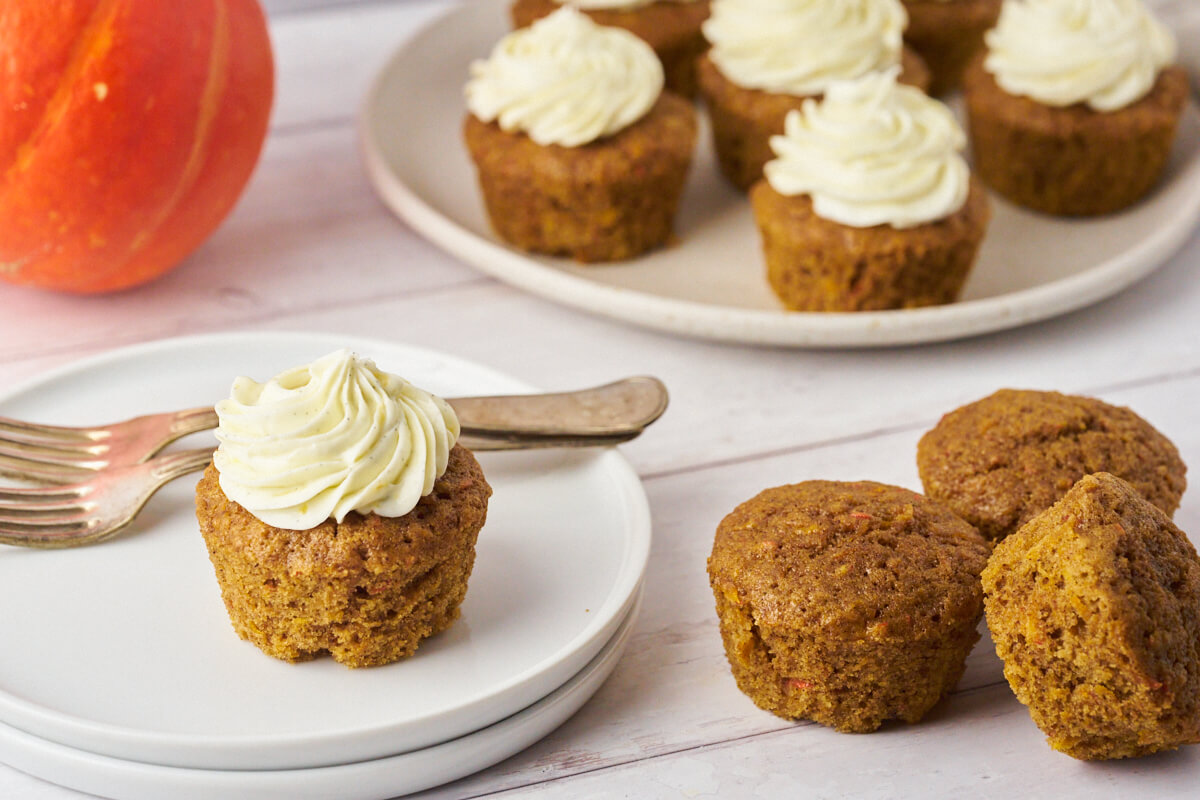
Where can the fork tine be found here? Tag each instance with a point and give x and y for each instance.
(54, 535)
(52, 517)
(44, 511)
(32, 431)
(45, 472)
(25, 505)
(82, 453)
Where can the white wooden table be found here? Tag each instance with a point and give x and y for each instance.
(310, 248)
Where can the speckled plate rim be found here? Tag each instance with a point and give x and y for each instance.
(448, 42)
(476, 707)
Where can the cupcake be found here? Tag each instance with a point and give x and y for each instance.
(1074, 106)
(947, 34)
(670, 27)
(846, 603)
(339, 513)
(1094, 606)
(869, 204)
(578, 149)
(1001, 460)
(767, 56)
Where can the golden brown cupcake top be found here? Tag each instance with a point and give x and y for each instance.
(999, 461)
(859, 560)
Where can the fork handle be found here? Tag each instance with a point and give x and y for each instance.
(616, 409)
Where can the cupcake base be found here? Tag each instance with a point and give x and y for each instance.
(366, 591)
(947, 35)
(744, 120)
(1071, 161)
(608, 200)
(814, 264)
(671, 29)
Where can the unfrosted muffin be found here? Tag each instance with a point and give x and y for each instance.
(590, 159)
(947, 34)
(339, 515)
(1074, 106)
(670, 27)
(999, 461)
(869, 204)
(1094, 606)
(846, 603)
(768, 56)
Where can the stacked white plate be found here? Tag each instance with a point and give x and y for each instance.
(122, 676)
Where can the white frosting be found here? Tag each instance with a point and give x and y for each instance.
(618, 4)
(339, 435)
(1106, 53)
(799, 47)
(873, 152)
(566, 80)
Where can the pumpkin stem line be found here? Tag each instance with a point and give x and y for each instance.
(210, 99)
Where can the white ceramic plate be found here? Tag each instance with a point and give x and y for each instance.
(125, 650)
(712, 284)
(365, 780)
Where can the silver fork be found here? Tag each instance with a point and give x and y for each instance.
(610, 414)
(86, 513)
(96, 509)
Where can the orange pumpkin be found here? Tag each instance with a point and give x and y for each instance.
(128, 129)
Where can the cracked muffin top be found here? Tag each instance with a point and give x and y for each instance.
(999, 461)
(852, 559)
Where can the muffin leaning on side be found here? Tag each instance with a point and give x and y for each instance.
(1001, 460)
(579, 152)
(767, 57)
(846, 603)
(1094, 606)
(1074, 114)
(339, 514)
(947, 34)
(670, 27)
(869, 204)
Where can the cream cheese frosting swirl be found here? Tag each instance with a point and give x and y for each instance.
(338, 435)
(873, 152)
(799, 47)
(566, 80)
(1106, 53)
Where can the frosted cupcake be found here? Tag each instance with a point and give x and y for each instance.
(947, 34)
(1074, 106)
(670, 27)
(339, 513)
(578, 149)
(869, 203)
(768, 56)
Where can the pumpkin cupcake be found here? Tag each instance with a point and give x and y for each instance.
(768, 56)
(1094, 606)
(869, 204)
(670, 27)
(947, 34)
(1074, 106)
(846, 603)
(339, 513)
(578, 149)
